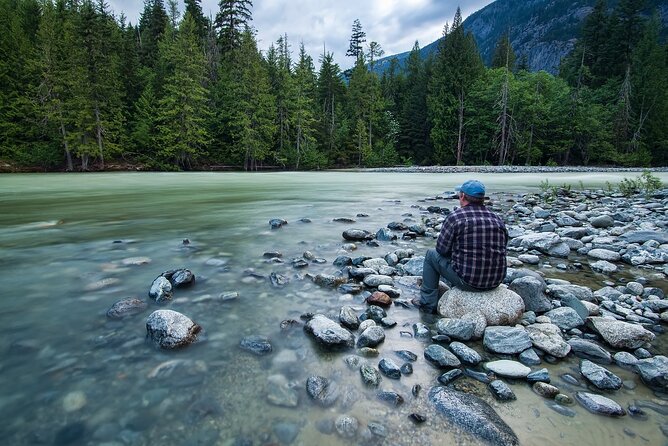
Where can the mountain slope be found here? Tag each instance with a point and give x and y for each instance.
(542, 30)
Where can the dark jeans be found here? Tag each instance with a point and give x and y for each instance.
(436, 266)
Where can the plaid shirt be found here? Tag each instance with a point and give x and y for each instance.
(475, 239)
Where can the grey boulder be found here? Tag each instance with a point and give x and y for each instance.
(329, 333)
(169, 329)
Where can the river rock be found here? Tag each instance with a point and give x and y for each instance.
(644, 255)
(390, 397)
(501, 391)
(169, 329)
(625, 360)
(161, 290)
(371, 337)
(618, 334)
(370, 375)
(602, 221)
(413, 267)
(508, 369)
(348, 317)
(654, 372)
(532, 292)
(585, 349)
(604, 254)
(541, 241)
(600, 376)
(258, 345)
(329, 333)
(499, 306)
(322, 390)
(529, 357)
(565, 318)
(379, 298)
(604, 267)
(643, 236)
(545, 390)
(464, 353)
(280, 392)
(276, 223)
(346, 426)
(473, 415)
(547, 337)
(506, 340)
(542, 375)
(599, 404)
(440, 357)
(389, 368)
(180, 278)
(461, 330)
(449, 376)
(357, 235)
(374, 280)
(126, 307)
(74, 401)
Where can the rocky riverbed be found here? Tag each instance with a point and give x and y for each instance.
(349, 360)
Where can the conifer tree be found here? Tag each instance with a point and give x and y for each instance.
(194, 8)
(330, 99)
(231, 20)
(357, 39)
(504, 56)
(414, 140)
(152, 25)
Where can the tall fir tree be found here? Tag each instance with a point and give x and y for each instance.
(504, 56)
(231, 20)
(357, 39)
(330, 97)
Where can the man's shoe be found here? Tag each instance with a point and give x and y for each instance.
(418, 303)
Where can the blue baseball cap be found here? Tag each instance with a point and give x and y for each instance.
(472, 188)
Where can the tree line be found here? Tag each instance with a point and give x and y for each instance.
(82, 89)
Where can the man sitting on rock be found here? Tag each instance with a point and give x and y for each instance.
(470, 252)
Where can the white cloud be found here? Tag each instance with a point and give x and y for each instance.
(395, 24)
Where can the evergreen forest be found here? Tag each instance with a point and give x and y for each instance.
(81, 88)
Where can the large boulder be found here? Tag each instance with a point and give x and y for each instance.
(565, 318)
(532, 292)
(620, 334)
(328, 333)
(506, 340)
(169, 329)
(473, 415)
(654, 372)
(499, 306)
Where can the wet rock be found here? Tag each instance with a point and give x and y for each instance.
(169, 329)
(542, 375)
(599, 404)
(389, 368)
(421, 331)
(529, 357)
(501, 391)
(507, 340)
(258, 345)
(603, 267)
(600, 376)
(370, 376)
(565, 318)
(644, 256)
(532, 292)
(465, 353)
(390, 397)
(329, 333)
(499, 306)
(379, 298)
(161, 290)
(654, 372)
(126, 307)
(461, 330)
(180, 278)
(375, 280)
(377, 429)
(406, 369)
(371, 337)
(508, 368)
(276, 223)
(565, 411)
(643, 236)
(406, 355)
(357, 235)
(625, 360)
(604, 254)
(413, 267)
(545, 390)
(449, 376)
(346, 426)
(473, 415)
(547, 337)
(278, 280)
(602, 221)
(561, 292)
(620, 334)
(322, 390)
(286, 432)
(280, 392)
(440, 357)
(589, 350)
(375, 313)
(348, 317)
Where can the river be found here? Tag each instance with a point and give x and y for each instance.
(73, 244)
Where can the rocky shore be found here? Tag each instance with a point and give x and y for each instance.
(495, 338)
(511, 169)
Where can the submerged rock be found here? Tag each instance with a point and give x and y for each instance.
(322, 390)
(599, 404)
(161, 290)
(329, 333)
(654, 372)
(169, 329)
(126, 307)
(473, 415)
(600, 376)
(258, 345)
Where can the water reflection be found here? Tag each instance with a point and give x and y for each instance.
(71, 246)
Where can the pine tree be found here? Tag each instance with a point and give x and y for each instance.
(414, 140)
(152, 25)
(306, 153)
(181, 130)
(330, 99)
(357, 39)
(504, 56)
(194, 8)
(231, 20)
(374, 53)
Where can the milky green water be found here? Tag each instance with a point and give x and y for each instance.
(68, 248)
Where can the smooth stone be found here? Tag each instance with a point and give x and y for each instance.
(545, 390)
(461, 330)
(529, 357)
(161, 290)
(620, 334)
(506, 340)
(126, 307)
(390, 397)
(329, 333)
(348, 317)
(501, 391)
(589, 350)
(625, 360)
(547, 337)
(258, 345)
(508, 368)
(406, 355)
(542, 375)
(379, 298)
(276, 223)
(74, 401)
(560, 291)
(604, 267)
(412, 267)
(482, 377)
(371, 337)
(604, 254)
(375, 280)
(532, 292)
(180, 278)
(449, 376)
(499, 306)
(346, 426)
(322, 390)
(565, 318)
(406, 369)
(440, 357)
(169, 329)
(599, 376)
(562, 410)
(599, 404)
(389, 368)
(370, 376)
(465, 353)
(654, 372)
(473, 415)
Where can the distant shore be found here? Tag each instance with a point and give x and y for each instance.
(511, 169)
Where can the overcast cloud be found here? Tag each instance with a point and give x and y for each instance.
(394, 24)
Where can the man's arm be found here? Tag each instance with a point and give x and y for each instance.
(446, 238)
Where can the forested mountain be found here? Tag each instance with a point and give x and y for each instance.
(82, 89)
(542, 31)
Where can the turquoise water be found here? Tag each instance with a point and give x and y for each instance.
(72, 245)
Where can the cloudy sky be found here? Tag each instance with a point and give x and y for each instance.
(394, 24)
